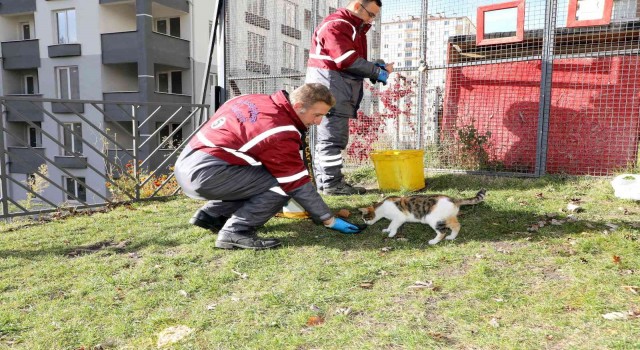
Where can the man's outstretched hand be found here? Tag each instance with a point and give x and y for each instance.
(344, 226)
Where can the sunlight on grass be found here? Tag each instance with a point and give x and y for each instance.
(116, 280)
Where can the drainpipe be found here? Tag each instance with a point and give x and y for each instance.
(192, 59)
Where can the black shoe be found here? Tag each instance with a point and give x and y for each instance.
(343, 189)
(245, 241)
(208, 222)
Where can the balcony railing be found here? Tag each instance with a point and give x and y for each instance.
(25, 110)
(11, 7)
(22, 54)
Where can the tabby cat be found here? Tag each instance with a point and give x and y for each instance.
(436, 210)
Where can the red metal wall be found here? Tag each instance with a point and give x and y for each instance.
(594, 121)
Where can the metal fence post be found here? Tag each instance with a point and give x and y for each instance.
(422, 82)
(3, 165)
(136, 142)
(546, 83)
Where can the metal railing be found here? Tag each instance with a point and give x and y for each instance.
(95, 153)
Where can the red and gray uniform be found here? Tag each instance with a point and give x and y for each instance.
(338, 60)
(246, 161)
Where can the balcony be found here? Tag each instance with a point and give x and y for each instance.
(120, 48)
(25, 110)
(65, 50)
(290, 31)
(115, 113)
(257, 20)
(257, 67)
(163, 49)
(11, 7)
(169, 50)
(174, 4)
(23, 54)
(67, 107)
(24, 160)
(70, 162)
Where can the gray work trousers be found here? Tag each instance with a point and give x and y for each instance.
(332, 138)
(248, 195)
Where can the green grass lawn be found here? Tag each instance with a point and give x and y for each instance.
(116, 280)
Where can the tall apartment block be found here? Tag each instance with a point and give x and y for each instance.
(99, 50)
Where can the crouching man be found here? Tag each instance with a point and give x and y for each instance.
(246, 162)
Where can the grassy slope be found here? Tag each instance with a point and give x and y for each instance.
(117, 279)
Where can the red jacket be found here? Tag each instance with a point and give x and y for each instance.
(257, 130)
(338, 41)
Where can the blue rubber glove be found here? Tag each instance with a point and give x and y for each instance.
(382, 76)
(344, 226)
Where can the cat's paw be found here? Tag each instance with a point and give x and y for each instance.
(451, 237)
(385, 230)
(434, 241)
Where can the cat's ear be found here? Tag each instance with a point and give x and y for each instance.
(364, 210)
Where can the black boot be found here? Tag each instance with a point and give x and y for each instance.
(208, 222)
(245, 240)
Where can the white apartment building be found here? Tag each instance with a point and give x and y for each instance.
(102, 50)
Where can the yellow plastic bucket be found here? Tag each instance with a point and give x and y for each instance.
(399, 169)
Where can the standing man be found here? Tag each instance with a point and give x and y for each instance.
(338, 60)
(246, 161)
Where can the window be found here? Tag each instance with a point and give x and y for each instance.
(256, 7)
(34, 135)
(75, 190)
(589, 12)
(66, 22)
(72, 143)
(500, 18)
(30, 85)
(307, 19)
(407, 63)
(407, 45)
(176, 139)
(446, 23)
(290, 53)
(24, 31)
(169, 26)
(290, 14)
(256, 47)
(407, 54)
(257, 86)
(169, 82)
(306, 56)
(68, 83)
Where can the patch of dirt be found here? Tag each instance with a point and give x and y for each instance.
(118, 247)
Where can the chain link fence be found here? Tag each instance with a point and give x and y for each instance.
(521, 88)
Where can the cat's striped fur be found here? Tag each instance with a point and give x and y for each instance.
(438, 211)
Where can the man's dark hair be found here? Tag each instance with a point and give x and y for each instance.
(378, 2)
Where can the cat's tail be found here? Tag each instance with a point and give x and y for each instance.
(471, 201)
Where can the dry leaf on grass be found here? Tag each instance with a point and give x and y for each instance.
(616, 259)
(366, 284)
(343, 213)
(315, 321)
(172, 335)
(494, 323)
(424, 285)
(633, 289)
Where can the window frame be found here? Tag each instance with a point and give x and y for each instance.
(572, 22)
(288, 21)
(34, 140)
(170, 26)
(21, 30)
(25, 84)
(519, 5)
(170, 82)
(71, 37)
(76, 147)
(71, 79)
(79, 191)
(176, 139)
(256, 47)
(289, 50)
